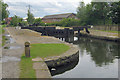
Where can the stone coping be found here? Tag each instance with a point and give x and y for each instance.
(73, 50)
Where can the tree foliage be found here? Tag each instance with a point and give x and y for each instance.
(23, 23)
(38, 22)
(30, 18)
(15, 21)
(115, 12)
(4, 13)
(98, 13)
(67, 22)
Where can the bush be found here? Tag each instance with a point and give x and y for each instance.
(23, 23)
(15, 21)
(65, 23)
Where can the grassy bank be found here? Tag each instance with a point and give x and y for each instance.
(3, 40)
(112, 31)
(39, 50)
(107, 31)
(1, 32)
(26, 67)
(45, 50)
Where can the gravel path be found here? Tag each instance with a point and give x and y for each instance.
(21, 36)
(11, 58)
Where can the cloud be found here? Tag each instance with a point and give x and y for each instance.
(41, 1)
(41, 8)
(51, 10)
(17, 9)
(56, 3)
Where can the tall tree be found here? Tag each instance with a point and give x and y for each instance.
(115, 12)
(100, 11)
(30, 18)
(81, 12)
(3, 10)
(95, 13)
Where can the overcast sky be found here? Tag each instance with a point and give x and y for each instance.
(41, 8)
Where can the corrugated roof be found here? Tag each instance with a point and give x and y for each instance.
(58, 15)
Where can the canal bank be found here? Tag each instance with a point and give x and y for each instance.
(21, 36)
(102, 35)
(98, 59)
(68, 57)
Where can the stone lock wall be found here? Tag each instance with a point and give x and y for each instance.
(62, 61)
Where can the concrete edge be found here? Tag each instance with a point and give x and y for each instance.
(69, 56)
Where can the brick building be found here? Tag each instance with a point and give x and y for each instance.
(7, 20)
(58, 17)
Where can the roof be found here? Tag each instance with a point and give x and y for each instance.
(66, 15)
(9, 18)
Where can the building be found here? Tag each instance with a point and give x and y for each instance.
(7, 20)
(58, 17)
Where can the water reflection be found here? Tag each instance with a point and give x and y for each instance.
(102, 52)
(97, 59)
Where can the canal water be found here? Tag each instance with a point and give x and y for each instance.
(97, 59)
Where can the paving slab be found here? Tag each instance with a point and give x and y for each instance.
(40, 66)
(41, 69)
(37, 59)
(43, 74)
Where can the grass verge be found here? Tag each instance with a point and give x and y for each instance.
(39, 50)
(26, 67)
(112, 31)
(3, 40)
(1, 32)
(1, 29)
(108, 31)
(45, 50)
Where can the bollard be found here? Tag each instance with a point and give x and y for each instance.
(27, 49)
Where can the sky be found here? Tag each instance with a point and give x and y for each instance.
(40, 8)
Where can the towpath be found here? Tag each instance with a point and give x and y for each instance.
(11, 56)
(110, 34)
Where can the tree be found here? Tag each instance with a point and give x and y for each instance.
(95, 13)
(15, 21)
(3, 10)
(23, 23)
(30, 18)
(100, 10)
(81, 13)
(37, 22)
(115, 12)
